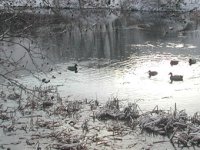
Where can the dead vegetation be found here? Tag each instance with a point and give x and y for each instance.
(42, 119)
(181, 129)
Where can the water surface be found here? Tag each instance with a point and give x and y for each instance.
(114, 51)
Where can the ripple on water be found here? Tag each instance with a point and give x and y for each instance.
(115, 60)
(129, 79)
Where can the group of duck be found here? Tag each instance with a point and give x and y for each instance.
(152, 73)
(173, 77)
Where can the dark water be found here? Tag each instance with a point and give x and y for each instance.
(114, 51)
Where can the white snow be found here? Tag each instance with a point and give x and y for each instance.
(155, 5)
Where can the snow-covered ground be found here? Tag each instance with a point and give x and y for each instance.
(147, 5)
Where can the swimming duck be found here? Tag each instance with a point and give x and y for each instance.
(152, 73)
(173, 62)
(73, 68)
(45, 80)
(192, 61)
(175, 77)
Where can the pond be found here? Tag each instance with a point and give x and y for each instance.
(115, 50)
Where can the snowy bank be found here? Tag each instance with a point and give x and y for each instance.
(153, 5)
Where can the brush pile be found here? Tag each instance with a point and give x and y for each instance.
(188, 133)
(39, 114)
(177, 125)
(162, 122)
(113, 111)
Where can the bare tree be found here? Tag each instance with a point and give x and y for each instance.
(19, 54)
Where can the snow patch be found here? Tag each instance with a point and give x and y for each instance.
(153, 5)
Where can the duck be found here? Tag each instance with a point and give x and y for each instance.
(45, 80)
(152, 73)
(192, 61)
(50, 69)
(73, 68)
(174, 62)
(175, 77)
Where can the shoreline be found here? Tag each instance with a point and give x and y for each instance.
(43, 119)
(112, 8)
